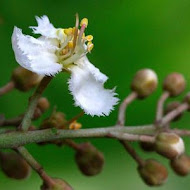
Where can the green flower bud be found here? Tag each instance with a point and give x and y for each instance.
(24, 79)
(89, 160)
(146, 146)
(172, 106)
(56, 120)
(169, 145)
(58, 185)
(153, 173)
(181, 165)
(144, 82)
(14, 166)
(174, 83)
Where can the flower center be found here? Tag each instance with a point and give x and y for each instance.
(74, 43)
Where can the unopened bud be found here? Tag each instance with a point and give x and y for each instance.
(75, 125)
(144, 82)
(89, 160)
(14, 166)
(174, 83)
(58, 184)
(43, 104)
(37, 113)
(56, 120)
(169, 145)
(181, 165)
(24, 79)
(172, 106)
(146, 146)
(153, 173)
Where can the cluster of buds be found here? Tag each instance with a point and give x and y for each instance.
(167, 144)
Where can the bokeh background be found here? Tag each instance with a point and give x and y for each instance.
(128, 35)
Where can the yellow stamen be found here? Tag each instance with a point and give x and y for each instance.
(84, 21)
(68, 31)
(75, 125)
(89, 38)
(90, 46)
(70, 44)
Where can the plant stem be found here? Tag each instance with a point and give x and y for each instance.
(121, 116)
(171, 115)
(132, 152)
(7, 88)
(35, 165)
(12, 122)
(19, 138)
(72, 144)
(26, 122)
(160, 105)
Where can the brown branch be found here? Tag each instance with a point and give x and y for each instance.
(35, 165)
(7, 88)
(132, 152)
(121, 116)
(160, 105)
(12, 122)
(171, 115)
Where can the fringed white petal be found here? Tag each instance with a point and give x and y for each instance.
(45, 28)
(84, 62)
(36, 55)
(86, 86)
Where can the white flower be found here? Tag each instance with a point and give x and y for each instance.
(65, 49)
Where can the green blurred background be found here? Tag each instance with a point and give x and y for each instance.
(128, 35)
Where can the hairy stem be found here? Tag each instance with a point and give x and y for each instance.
(121, 116)
(35, 165)
(7, 88)
(26, 122)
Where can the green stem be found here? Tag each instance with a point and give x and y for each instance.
(19, 138)
(26, 122)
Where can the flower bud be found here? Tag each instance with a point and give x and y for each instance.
(144, 82)
(37, 113)
(43, 104)
(56, 120)
(14, 166)
(174, 83)
(181, 165)
(59, 184)
(169, 145)
(146, 146)
(89, 160)
(153, 173)
(24, 79)
(172, 106)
